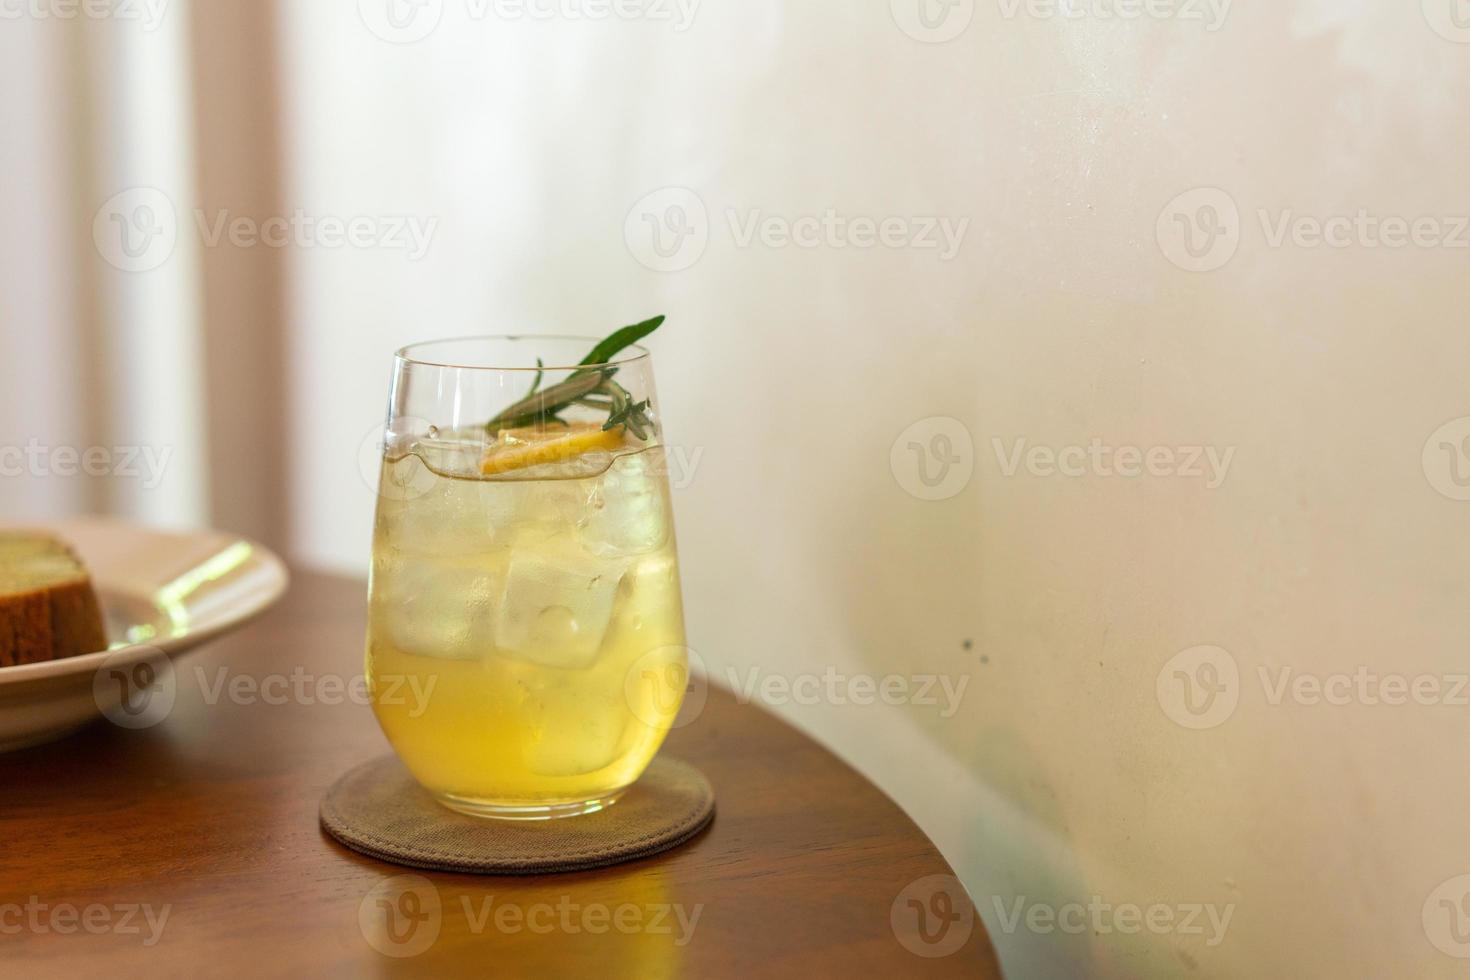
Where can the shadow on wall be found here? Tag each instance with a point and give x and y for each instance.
(909, 598)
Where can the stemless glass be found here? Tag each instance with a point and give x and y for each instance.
(524, 581)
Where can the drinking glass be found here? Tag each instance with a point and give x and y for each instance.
(524, 585)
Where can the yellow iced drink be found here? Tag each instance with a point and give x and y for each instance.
(525, 618)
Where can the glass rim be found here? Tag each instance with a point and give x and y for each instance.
(409, 354)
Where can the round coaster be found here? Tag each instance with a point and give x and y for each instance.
(379, 810)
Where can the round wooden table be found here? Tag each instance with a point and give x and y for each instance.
(192, 848)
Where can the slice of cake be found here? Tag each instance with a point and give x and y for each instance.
(48, 609)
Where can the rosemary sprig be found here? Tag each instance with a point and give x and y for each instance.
(591, 385)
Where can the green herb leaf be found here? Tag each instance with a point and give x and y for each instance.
(532, 409)
(591, 385)
(634, 416)
(621, 339)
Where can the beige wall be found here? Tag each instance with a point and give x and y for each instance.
(1072, 312)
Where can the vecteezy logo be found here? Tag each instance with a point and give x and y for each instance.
(668, 230)
(136, 230)
(1446, 917)
(932, 21)
(1450, 19)
(1199, 231)
(401, 917)
(401, 21)
(1199, 688)
(932, 917)
(135, 687)
(410, 479)
(934, 458)
(1447, 459)
(656, 682)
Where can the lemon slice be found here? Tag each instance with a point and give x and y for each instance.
(517, 449)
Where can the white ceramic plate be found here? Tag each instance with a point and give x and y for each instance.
(162, 594)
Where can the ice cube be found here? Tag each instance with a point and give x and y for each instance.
(434, 608)
(577, 730)
(542, 509)
(628, 513)
(646, 612)
(450, 518)
(556, 606)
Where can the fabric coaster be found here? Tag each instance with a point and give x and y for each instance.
(379, 810)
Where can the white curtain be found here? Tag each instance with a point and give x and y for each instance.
(100, 366)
